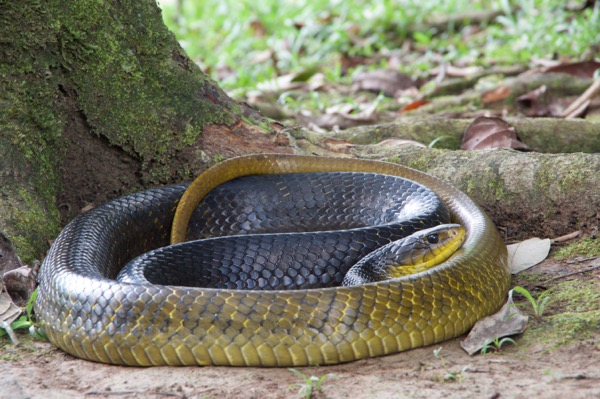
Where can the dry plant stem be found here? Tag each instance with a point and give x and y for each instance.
(581, 101)
(577, 112)
(589, 269)
(566, 237)
(580, 260)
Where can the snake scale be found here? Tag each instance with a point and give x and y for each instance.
(84, 311)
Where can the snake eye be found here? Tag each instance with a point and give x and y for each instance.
(433, 238)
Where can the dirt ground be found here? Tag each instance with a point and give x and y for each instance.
(539, 366)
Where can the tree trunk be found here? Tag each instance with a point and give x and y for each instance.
(98, 98)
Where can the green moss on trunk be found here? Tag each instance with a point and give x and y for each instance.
(119, 69)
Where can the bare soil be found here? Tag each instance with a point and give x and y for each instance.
(537, 367)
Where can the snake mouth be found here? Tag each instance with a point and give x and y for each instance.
(431, 248)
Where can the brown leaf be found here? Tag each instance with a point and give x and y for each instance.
(20, 284)
(258, 28)
(534, 102)
(508, 321)
(352, 61)
(383, 81)
(490, 132)
(584, 69)
(540, 102)
(500, 93)
(414, 105)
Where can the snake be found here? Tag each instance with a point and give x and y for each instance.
(86, 312)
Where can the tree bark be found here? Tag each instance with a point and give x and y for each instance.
(526, 194)
(98, 98)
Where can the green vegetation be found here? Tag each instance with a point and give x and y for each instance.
(538, 306)
(311, 384)
(587, 247)
(25, 321)
(494, 345)
(450, 376)
(573, 317)
(245, 42)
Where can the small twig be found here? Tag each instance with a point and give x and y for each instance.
(566, 237)
(441, 74)
(579, 260)
(134, 392)
(590, 93)
(589, 269)
(579, 110)
(580, 376)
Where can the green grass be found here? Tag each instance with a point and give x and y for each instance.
(311, 385)
(574, 316)
(538, 306)
(237, 35)
(495, 345)
(587, 247)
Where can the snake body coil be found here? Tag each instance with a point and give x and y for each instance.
(85, 312)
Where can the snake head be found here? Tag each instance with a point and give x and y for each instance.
(415, 253)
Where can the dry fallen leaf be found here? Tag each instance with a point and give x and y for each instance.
(8, 310)
(507, 321)
(500, 93)
(383, 81)
(414, 105)
(540, 102)
(534, 102)
(490, 132)
(258, 28)
(20, 284)
(584, 69)
(528, 253)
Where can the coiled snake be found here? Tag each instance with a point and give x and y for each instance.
(85, 312)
